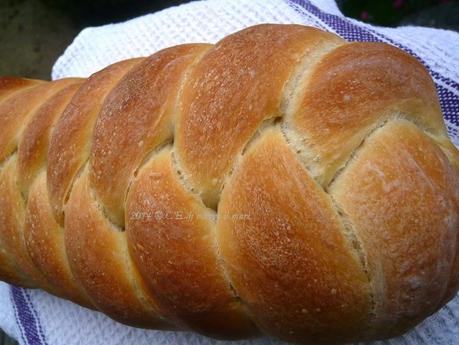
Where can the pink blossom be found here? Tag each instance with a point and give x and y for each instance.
(399, 3)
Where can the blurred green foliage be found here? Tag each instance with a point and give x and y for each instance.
(389, 12)
(99, 12)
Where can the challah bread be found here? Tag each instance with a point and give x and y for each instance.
(282, 181)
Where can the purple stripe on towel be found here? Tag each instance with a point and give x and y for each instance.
(25, 317)
(16, 315)
(341, 26)
(35, 314)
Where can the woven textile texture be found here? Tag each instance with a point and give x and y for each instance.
(35, 317)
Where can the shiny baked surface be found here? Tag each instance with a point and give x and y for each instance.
(282, 181)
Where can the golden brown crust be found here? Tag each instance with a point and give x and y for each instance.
(453, 283)
(42, 231)
(234, 88)
(70, 142)
(99, 259)
(282, 180)
(354, 89)
(12, 214)
(11, 270)
(33, 147)
(138, 116)
(174, 248)
(10, 85)
(401, 196)
(15, 112)
(285, 249)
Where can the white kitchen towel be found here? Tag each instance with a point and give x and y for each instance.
(36, 318)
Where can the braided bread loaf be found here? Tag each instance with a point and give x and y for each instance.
(282, 181)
